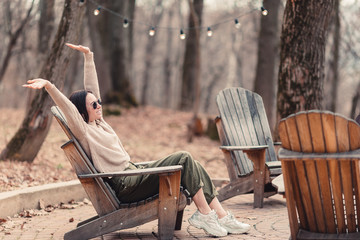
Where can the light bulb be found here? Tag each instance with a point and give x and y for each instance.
(264, 11)
(97, 11)
(152, 31)
(182, 34)
(209, 32)
(126, 23)
(237, 23)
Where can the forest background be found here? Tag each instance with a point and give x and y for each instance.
(228, 57)
(154, 70)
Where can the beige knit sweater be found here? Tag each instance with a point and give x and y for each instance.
(98, 139)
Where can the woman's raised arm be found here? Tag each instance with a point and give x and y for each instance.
(90, 75)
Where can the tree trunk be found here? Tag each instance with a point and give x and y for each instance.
(301, 70)
(149, 50)
(46, 26)
(167, 63)
(265, 84)
(192, 72)
(334, 65)
(191, 67)
(116, 42)
(97, 45)
(27, 141)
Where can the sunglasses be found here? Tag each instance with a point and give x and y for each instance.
(95, 104)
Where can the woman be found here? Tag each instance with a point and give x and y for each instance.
(83, 112)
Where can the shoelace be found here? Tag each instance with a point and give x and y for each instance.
(229, 217)
(214, 219)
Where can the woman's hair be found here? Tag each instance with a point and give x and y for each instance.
(78, 98)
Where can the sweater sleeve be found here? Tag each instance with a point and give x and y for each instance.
(90, 76)
(74, 120)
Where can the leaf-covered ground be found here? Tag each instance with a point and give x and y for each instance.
(147, 133)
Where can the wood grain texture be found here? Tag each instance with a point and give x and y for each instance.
(245, 135)
(320, 162)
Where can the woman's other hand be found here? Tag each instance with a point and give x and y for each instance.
(80, 48)
(37, 83)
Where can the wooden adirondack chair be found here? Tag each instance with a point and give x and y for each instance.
(247, 145)
(168, 206)
(321, 168)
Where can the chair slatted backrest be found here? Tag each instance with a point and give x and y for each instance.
(245, 123)
(322, 176)
(100, 195)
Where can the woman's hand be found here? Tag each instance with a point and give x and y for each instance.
(80, 48)
(37, 83)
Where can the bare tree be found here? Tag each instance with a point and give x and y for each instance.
(149, 50)
(190, 92)
(265, 84)
(46, 26)
(13, 35)
(116, 43)
(28, 140)
(334, 64)
(301, 71)
(192, 66)
(167, 61)
(102, 61)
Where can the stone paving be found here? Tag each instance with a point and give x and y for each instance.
(270, 222)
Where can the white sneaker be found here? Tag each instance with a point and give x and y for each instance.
(232, 225)
(209, 223)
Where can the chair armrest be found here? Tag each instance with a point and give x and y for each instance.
(243, 148)
(277, 143)
(158, 170)
(285, 154)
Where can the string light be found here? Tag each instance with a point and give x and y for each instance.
(97, 11)
(264, 11)
(182, 34)
(126, 23)
(209, 32)
(152, 31)
(237, 23)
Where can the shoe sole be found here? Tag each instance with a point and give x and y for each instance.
(199, 227)
(241, 232)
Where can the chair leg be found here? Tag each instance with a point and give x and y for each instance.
(169, 191)
(258, 158)
(179, 219)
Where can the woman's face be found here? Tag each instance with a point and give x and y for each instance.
(92, 101)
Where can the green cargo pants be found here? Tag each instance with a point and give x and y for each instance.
(137, 188)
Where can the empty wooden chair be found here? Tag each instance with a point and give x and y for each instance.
(167, 207)
(247, 144)
(320, 161)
